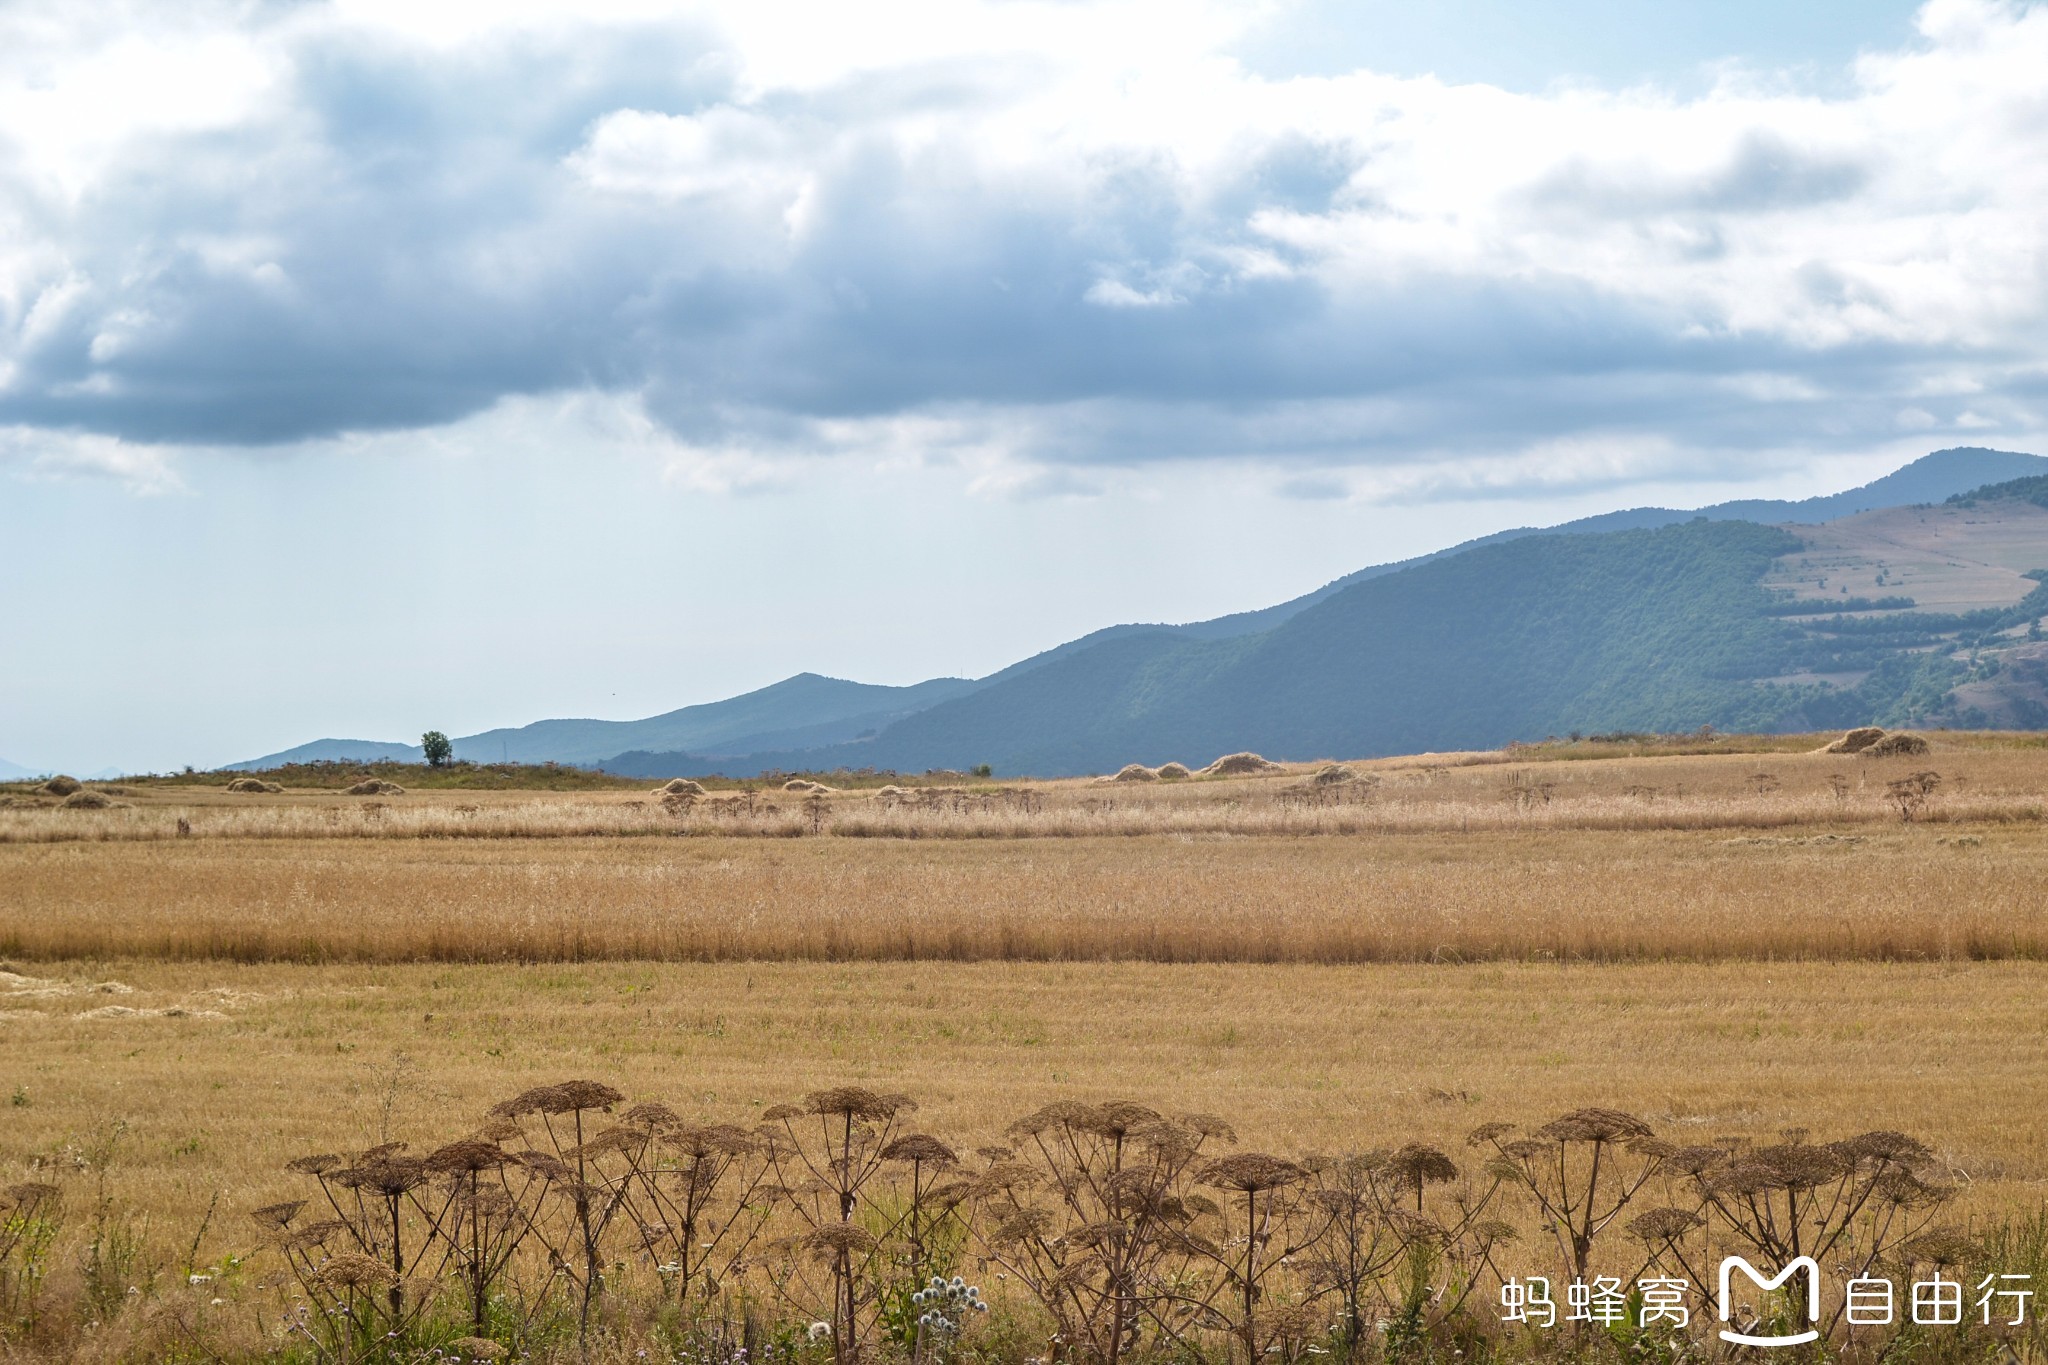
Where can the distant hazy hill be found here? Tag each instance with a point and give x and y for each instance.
(338, 751)
(14, 772)
(1931, 478)
(1663, 629)
(1644, 618)
(1636, 629)
(800, 712)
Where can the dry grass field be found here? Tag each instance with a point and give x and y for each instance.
(1779, 855)
(1729, 945)
(264, 1063)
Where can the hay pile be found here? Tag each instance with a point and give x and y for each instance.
(1239, 765)
(799, 784)
(255, 786)
(60, 785)
(1855, 742)
(376, 786)
(679, 786)
(891, 793)
(1897, 744)
(1330, 774)
(1173, 772)
(1135, 772)
(87, 799)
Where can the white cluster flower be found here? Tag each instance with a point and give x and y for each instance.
(819, 1331)
(945, 1303)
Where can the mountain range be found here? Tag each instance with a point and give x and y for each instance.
(1913, 598)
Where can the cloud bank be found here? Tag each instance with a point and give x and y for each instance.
(1033, 238)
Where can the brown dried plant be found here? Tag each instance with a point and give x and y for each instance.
(699, 1201)
(582, 1177)
(1581, 1169)
(1848, 1204)
(1262, 1206)
(823, 1155)
(1090, 1214)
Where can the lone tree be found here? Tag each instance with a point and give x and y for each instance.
(439, 750)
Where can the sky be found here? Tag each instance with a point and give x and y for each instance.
(369, 366)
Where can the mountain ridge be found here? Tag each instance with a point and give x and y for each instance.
(809, 720)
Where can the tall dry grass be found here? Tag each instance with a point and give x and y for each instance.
(1877, 892)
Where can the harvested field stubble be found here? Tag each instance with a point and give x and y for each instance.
(1893, 892)
(1299, 1058)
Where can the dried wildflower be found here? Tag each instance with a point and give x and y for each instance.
(314, 1165)
(544, 1165)
(467, 1155)
(1594, 1125)
(1800, 1167)
(1417, 1165)
(277, 1215)
(353, 1270)
(387, 1174)
(652, 1116)
(1886, 1146)
(1250, 1172)
(1058, 1114)
(316, 1234)
(856, 1102)
(1941, 1247)
(1488, 1132)
(1492, 1230)
(1209, 1126)
(1664, 1225)
(568, 1097)
(1906, 1190)
(617, 1139)
(840, 1238)
(1694, 1160)
(30, 1196)
(1122, 1119)
(921, 1148)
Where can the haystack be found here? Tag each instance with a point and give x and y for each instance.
(1240, 765)
(890, 793)
(1330, 774)
(1856, 741)
(60, 785)
(679, 786)
(87, 799)
(255, 786)
(1897, 744)
(1173, 772)
(376, 786)
(800, 784)
(1135, 772)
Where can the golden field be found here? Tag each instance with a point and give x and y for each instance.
(1727, 944)
(1779, 855)
(265, 1063)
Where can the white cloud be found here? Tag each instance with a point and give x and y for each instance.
(1032, 234)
